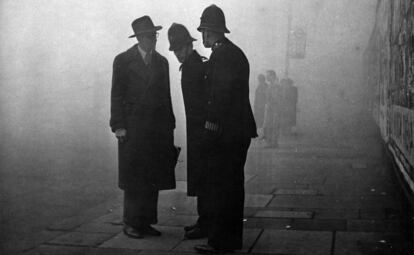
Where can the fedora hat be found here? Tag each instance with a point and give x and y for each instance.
(143, 25)
(178, 36)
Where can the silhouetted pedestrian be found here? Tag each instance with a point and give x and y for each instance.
(228, 131)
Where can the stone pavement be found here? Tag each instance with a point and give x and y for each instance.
(306, 197)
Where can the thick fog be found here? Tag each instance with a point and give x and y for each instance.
(56, 66)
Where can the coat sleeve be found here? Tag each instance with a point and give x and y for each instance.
(119, 80)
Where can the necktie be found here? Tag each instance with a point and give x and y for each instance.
(147, 59)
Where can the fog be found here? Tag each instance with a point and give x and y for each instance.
(56, 67)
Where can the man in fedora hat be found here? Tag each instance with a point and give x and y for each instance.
(229, 128)
(143, 121)
(195, 95)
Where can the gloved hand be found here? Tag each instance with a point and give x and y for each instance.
(211, 134)
(121, 134)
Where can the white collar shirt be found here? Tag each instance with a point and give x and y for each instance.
(143, 53)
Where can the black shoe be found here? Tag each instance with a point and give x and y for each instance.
(195, 233)
(190, 227)
(150, 231)
(133, 232)
(207, 249)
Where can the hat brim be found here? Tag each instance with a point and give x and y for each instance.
(176, 47)
(156, 28)
(224, 30)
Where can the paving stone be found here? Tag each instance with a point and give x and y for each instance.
(181, 186)
(368, 214)
(290, 186)
(278, 178)
(283, 214)
(266, 223)
(250, 211)
(99, 227)
(313, 179)
(168, 253)
(378, 202)
(58, 249)
(178, 220)
(319, 225)
(359, 165)
(68, 223)
(81, 239)
(310, 192)
(188, 245)
(113, 217)
(178, 202)
(74, 250)
(289, 201)
(374, 225)
(111, 251)
(294, 242)
(259, 188)
(89, 215)
(248, 177)
(170, 237)
(16, 246)
(357, 243)
(333, 213)
(257, 200)
(321, 202)
(249, 238)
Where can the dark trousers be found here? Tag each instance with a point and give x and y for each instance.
(226, 194)
(140, 207)
(203, 220)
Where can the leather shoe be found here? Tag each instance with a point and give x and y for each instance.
(133, 232)
(208, 249)
(195, 233)
(150, 231)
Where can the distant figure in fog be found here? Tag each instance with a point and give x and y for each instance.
(227, 133)
(195, 91)
(260, 102)
(271, 125)
(143, 121)
(288, 107)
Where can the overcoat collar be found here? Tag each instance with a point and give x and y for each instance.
(135, 62)
(150, 74)
(191, 59)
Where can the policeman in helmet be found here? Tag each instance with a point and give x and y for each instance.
(195, 101)
(229, 127)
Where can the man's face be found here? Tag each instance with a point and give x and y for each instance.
(148, 41)
(206, 38)
(270, 78)
(182, 53)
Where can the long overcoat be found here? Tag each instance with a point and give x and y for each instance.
(229, 108)
(260, 103)
(194, 90)
(141, 103)
(291, 100)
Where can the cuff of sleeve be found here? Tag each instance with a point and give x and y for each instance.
(211, 126)
(116, 127)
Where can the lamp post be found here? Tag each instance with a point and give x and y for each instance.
(289, 29)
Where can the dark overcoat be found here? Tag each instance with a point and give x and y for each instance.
(194, 90)
(260, 103)
(141, 103)
(229, 108)
(292, 100)
(229, 105)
